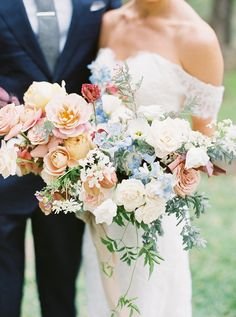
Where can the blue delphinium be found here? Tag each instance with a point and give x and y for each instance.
(100, 75)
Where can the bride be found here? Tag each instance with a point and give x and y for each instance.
(178, 55)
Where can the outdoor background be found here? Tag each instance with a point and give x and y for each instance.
(214, 268)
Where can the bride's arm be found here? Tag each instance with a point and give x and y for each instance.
(202, 58)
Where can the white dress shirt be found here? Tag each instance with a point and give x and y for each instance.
(64, 10)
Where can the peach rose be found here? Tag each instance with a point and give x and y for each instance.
(79, 146)
(70, 115)
(56, 161)
(187, 180)
(40, 93)
(37, 134)
(42, 149)
(9, 119)
(91, 200)
(93, 191)
(109, 180)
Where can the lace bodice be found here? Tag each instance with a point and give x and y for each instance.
(165, 83)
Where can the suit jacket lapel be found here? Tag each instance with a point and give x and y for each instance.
(14, 14)
(71, 42)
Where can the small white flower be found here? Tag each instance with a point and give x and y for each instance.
(151, 211)
(138, 128)
(196, 157)
(105, 212)
(130, 193)
(8, 158)
(66, 206)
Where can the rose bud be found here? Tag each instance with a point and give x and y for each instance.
(90, 92)
(111, 89)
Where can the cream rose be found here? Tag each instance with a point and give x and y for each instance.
(8, 159)
(39, 94)
(131, 194)
(78, 147)
(105, 212)
(151, 211)
(69, 114)
(187, 180)
(168, 135)
(196, 157)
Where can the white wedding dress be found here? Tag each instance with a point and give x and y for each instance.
(168, 292)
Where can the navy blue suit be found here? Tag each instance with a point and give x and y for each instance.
(57, 238)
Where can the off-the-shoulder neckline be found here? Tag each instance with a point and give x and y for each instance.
(159, 57)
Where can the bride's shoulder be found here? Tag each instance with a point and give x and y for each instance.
(199, 49)
(109, 21)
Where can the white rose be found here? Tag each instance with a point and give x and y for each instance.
(151, 112)
(122, 114)
(131, 194)
(105, 212)
(151, 211)
(110, 103)
(8, 158)
(138, 128)
(168, 135)
(40, 93)
(196, 157)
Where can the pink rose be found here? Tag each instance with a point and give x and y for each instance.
(9, 120)
(187, 180)
(56, 161)
(70, 115)
(29, 117)
(37, 134)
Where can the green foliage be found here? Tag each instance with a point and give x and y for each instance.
(128, 303)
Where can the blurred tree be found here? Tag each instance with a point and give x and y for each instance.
(222, 19)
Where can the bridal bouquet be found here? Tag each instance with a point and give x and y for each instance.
(108, 161)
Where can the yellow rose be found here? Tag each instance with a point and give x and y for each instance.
(78, 147)
(40, 93)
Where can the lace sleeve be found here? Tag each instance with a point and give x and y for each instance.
(203, 99)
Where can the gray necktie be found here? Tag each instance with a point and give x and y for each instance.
(48, 32)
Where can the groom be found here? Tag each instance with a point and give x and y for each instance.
(43, 40)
